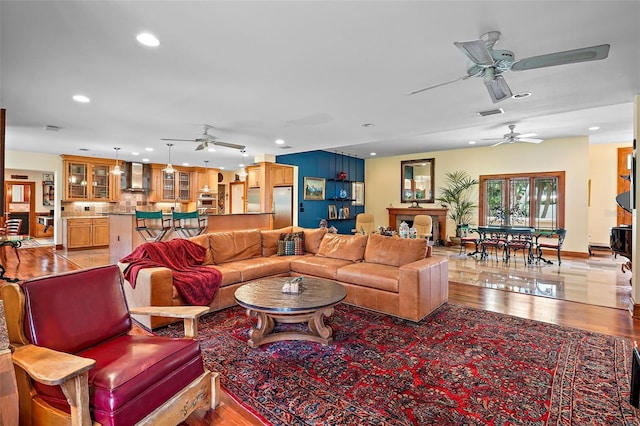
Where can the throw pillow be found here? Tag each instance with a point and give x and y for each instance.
(291, 244)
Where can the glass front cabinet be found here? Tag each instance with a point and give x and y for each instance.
(88, 179)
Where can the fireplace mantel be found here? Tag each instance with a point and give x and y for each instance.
(439, 215)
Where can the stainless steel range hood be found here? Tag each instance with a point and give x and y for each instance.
(135, 178)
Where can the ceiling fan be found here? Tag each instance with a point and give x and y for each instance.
(205, 139)
(489, 64)
(513, 137)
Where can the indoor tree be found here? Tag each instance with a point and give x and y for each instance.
(456, 196)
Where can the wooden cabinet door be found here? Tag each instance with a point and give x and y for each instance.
(281, 176)
(100, 232)
(77, 180)
(253, 177)
(79, 233)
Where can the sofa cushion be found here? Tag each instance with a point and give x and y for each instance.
(251, 269)
(312, 239)
(394, 251)
(291, 244)
(204, 241)
(235, 245)
(133, 375)
(323, 267)
(270, 240)
(346, 247)
(373, 275)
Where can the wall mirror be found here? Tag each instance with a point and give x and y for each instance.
(416, 181)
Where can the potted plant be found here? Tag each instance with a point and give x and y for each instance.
(456, 196)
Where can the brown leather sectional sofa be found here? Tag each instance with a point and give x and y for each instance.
(399, 277)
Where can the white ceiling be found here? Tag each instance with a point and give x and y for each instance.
(308, 72)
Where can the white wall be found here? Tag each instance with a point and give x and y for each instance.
(603, 174)
(382, 177)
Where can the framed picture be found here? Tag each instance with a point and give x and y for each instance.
(47, 178)
(346, 212)
(357, 193)
(333, 214)
(313, 188)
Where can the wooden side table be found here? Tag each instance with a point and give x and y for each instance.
(8, 390)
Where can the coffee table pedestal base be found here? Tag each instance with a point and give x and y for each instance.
(263, 333)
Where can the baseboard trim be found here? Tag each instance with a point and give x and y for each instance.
(634, 308)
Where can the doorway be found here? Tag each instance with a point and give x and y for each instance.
(236, 197)
(21, 204)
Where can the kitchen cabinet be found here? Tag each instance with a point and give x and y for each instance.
(85, 232)
(281, 175)
(168, 187)
(253, 177)
(89, 179)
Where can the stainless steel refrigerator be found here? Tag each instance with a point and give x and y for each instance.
(282, 206)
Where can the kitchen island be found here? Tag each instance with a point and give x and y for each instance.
(123, 237)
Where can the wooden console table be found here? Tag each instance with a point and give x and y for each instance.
(439, 215)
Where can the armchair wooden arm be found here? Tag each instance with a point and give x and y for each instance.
(58, 368)
(190, 314)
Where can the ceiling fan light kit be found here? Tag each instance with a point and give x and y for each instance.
(489, 63)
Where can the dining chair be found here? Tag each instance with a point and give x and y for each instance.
(12, 227)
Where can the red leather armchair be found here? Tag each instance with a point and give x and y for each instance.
(76, 359)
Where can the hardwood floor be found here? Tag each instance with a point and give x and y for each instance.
(481, 285)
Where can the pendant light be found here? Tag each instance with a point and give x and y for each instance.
(116, 170)
(205, 188)
(169, 169)
(243, 171)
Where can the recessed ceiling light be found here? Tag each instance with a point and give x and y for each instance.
(185, 164)
(148, 39)
(211, 149)
(221, 168)
(472, 142)
(81, 98)
(279, 142)
(521, 95)
(244, 154)
(240, 165)
(148, 149)
(594, 128)
(135, 153)
(372, 154)
(145, 160)
(368, 124)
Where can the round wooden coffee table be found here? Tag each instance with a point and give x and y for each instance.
(264, 300)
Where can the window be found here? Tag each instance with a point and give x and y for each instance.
(524, 199)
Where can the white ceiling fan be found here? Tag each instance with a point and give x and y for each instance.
(513, 137)
(489, 64)
(206, 139)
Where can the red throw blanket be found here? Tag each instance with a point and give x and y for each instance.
(197, 284)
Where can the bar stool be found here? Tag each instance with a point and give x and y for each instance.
(188, 224)
(152, 226)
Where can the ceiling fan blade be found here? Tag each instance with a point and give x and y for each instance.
(526, 135)
(529, 140)
(498, 89)
(201, 146)
(438, 85)
(229, 145)
(477, 51)
(180, 140)
(584, 54)
(500, 143)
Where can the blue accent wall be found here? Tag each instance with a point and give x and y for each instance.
(327, 165)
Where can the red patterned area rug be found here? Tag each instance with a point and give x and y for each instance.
(459, 366)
